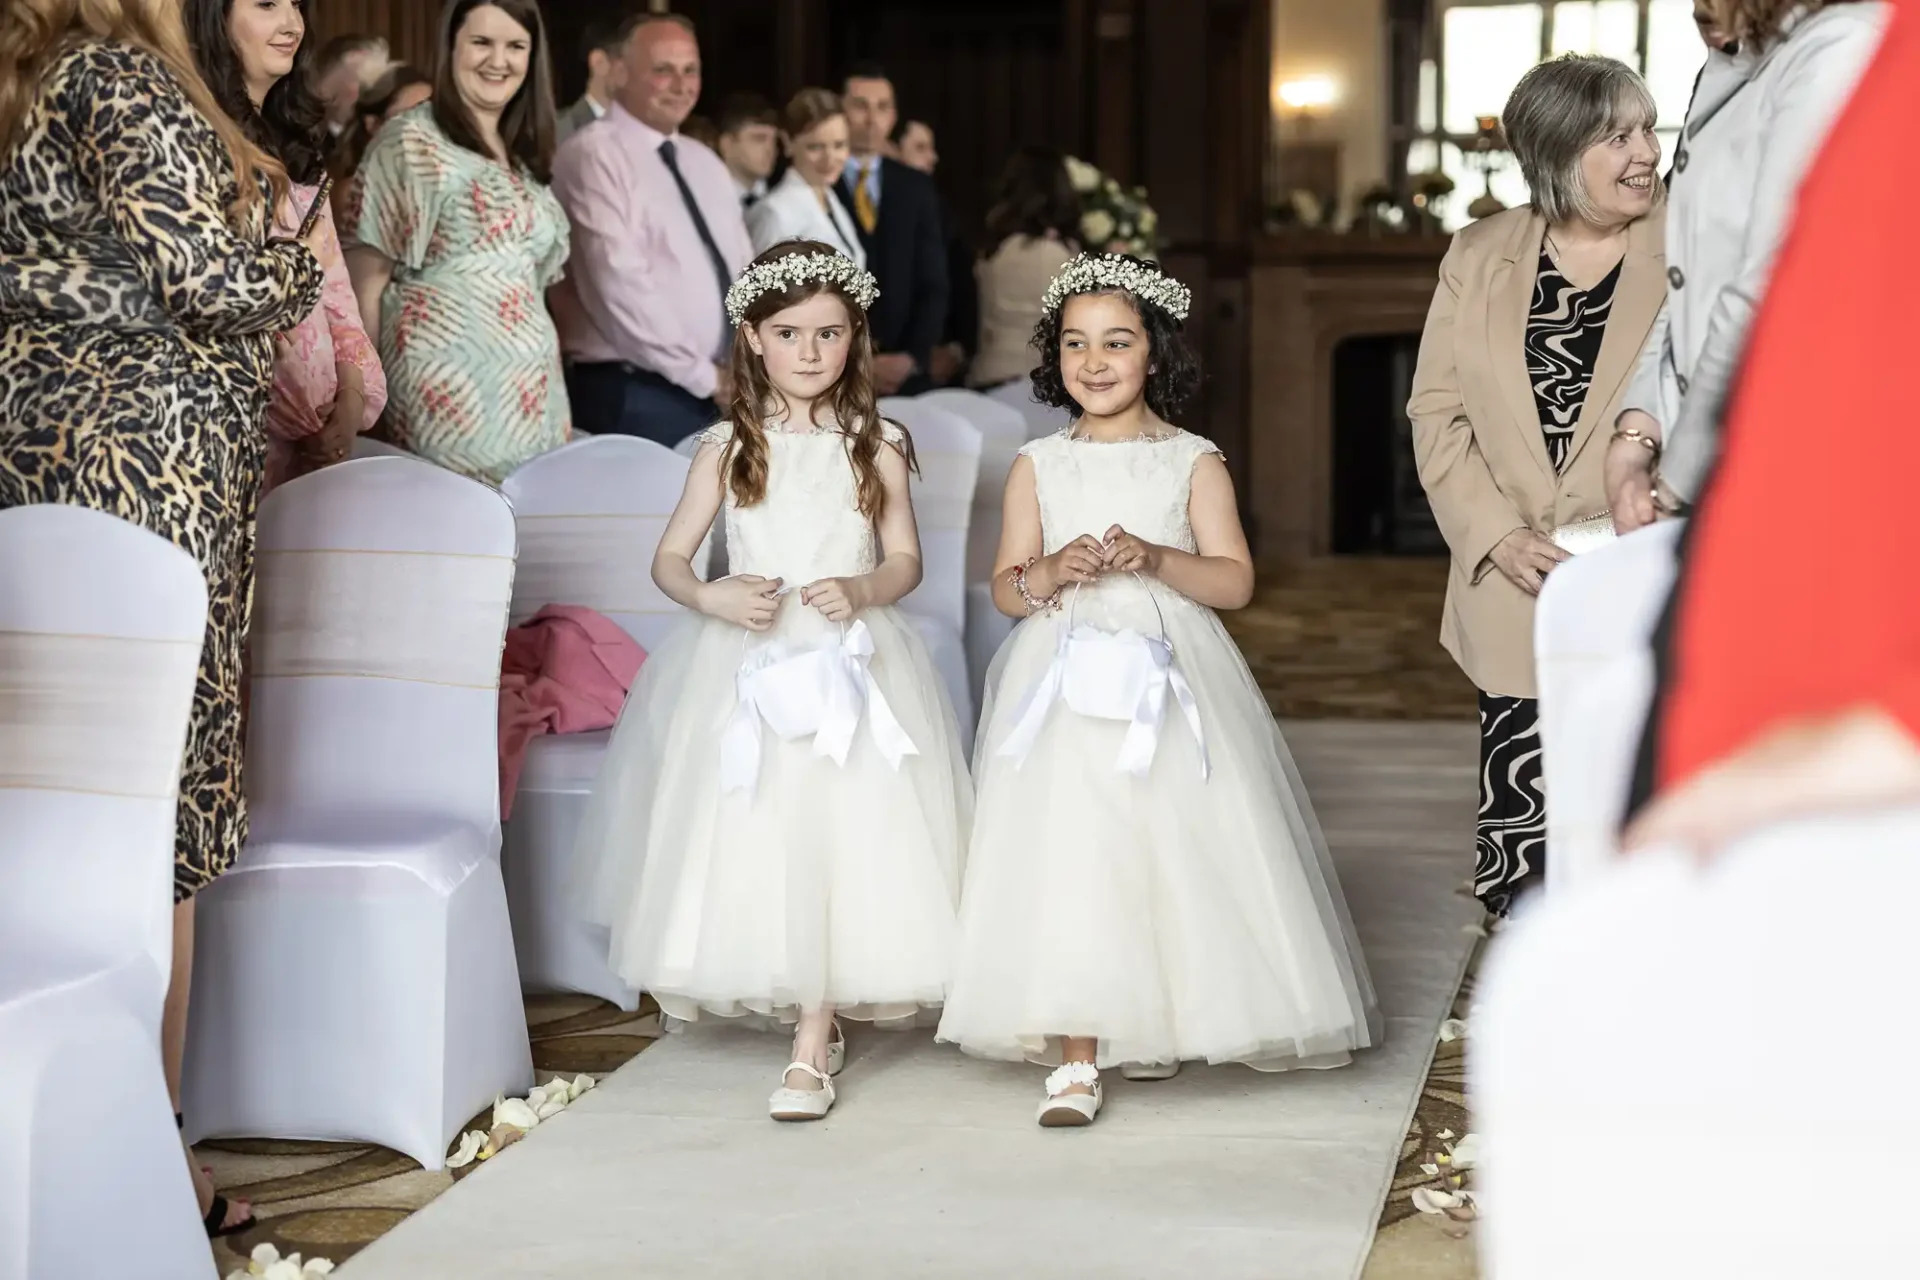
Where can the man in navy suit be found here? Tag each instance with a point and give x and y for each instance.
(897, 211)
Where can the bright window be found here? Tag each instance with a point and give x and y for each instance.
(1485, 46)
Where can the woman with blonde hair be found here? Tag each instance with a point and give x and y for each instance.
(137, 352)
(802, 206)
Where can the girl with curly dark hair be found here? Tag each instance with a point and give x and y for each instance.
(328, 385)
(1146, 883)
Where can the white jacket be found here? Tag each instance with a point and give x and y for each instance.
(793, 211)
(1755, 125)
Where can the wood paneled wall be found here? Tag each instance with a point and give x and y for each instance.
(408, 26)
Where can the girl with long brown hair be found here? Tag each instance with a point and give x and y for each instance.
(777, 828)
(136, 354)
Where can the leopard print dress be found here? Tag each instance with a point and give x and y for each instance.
(136, 355)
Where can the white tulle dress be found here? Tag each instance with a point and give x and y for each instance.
(1175, 914)
(746, 873)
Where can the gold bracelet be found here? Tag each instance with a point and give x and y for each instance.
(1640, 437)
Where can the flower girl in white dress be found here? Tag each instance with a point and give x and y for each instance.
(779, 825)
(1146, 883)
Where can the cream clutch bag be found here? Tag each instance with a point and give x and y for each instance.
(1584, 535)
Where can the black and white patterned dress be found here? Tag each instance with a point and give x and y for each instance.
(1565, 327)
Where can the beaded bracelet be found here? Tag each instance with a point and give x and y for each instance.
(1034, 606)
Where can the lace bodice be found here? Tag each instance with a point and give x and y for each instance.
(809, 525)
(1087, 487)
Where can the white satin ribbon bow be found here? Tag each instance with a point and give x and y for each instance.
(800, 690)
(1111, 675)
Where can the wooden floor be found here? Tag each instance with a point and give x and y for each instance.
(1353, 638)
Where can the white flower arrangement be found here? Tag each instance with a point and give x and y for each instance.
(797, 269)
(1092, 273)
(514, 1117)
(1112, 218)
(265, 1263)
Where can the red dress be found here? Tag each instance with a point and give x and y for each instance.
(1800, 591)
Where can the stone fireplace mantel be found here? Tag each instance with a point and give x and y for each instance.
(1309, 293)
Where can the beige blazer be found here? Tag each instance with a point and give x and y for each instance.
(1476, 430)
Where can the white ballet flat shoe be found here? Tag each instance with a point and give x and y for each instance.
(801, 1104)
(1063, 1110)
(1149, 1070)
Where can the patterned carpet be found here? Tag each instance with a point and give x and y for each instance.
(1331, 639)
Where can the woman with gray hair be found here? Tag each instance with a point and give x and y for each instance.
(1535, 328)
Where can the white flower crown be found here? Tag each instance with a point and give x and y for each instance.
(797, 269)
(1092, 273)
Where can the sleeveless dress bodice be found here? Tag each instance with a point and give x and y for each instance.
(809, 524)
(1087, 487)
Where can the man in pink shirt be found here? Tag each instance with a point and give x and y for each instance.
(658, 237)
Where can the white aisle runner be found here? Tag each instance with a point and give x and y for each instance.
(932, 1166)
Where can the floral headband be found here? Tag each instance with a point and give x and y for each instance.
(797, 269)
(1091, 273)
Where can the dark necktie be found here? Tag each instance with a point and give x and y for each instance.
(720, 272)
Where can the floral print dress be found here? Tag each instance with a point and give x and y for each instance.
(306, 377)
(472, 360)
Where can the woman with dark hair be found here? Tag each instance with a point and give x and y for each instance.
(135, 358)
(401, 88)
(328, 386)
(1032, 231)
(454, 240)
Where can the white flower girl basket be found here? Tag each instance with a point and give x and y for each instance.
(800, 690)
(1111, 675)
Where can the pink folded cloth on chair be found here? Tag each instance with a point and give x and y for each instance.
(567, 669)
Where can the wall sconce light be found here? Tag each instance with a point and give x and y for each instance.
(1307, 94)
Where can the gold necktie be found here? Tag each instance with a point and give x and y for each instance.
(863, 201)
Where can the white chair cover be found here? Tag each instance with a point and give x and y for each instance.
(948, 448)
(354, 974)
(590, 515)
(1681, 1072)
(1592, 644)
(1003, 429)
(92, 1178)
(711, 563)
(1042, 420)
(101, 625)
(1002, 432)
(368, 447)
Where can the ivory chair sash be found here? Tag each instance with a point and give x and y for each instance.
(1593, 634)
(101, 625)
(354, 974)
(590, 516)
(948, 448)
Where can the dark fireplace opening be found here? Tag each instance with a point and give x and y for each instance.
(1379, 507)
